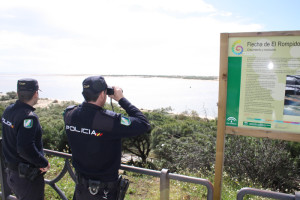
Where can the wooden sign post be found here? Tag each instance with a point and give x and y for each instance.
(259, 89)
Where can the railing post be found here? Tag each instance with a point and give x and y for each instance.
(164, 184)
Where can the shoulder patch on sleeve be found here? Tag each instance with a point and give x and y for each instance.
(125, 121)
(28, 123)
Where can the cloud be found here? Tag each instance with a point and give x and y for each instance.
(114, 37)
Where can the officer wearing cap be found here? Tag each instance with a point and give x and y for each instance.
(22, 144)
(94, 135)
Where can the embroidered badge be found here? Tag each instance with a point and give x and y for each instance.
(28, 123)
(125, 121)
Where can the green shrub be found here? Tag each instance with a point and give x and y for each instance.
(51, 119)
(264, 161)
(9, 96)
(186, 143)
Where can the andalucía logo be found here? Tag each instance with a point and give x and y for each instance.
(231, 121)
(237, 48)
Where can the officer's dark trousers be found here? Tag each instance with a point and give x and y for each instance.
(25, 189)
(82, 193)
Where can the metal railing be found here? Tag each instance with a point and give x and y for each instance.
(164, 175)
(268, 194)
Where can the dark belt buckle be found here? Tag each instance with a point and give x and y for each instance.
(94, 186)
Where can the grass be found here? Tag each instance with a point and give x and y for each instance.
(66, 184)
(143, 187)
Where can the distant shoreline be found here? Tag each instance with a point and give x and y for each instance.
(139, 76)
(169, 76)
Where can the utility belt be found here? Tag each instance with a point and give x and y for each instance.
(25, 170)
(119, 186)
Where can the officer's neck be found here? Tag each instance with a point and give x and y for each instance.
(31, 102)
(100, 100)
(95, 103)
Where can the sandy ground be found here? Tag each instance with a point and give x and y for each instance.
(43, 103)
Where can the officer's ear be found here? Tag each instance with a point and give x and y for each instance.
(102, 98)
(36, 94)
(103, 93)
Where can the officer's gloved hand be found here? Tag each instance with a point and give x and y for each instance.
(118, 93)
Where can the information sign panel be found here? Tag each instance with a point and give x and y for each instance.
(259, 89)
(263, 89)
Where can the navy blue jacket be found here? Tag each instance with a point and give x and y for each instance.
(94, 135)
(22, 136)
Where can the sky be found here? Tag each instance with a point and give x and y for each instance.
(130, 37)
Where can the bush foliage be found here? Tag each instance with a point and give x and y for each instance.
(264, 161)
(185, 142)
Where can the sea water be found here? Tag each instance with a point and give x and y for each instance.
(182, 95)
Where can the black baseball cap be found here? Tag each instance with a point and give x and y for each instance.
(94, 85)
(27, 84)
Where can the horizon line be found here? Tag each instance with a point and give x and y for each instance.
(210, 77)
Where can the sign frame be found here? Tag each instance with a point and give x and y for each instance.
(222, 128)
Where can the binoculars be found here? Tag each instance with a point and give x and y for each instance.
(110, 90)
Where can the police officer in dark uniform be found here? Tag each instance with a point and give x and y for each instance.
(94, 135)
(22, 144)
